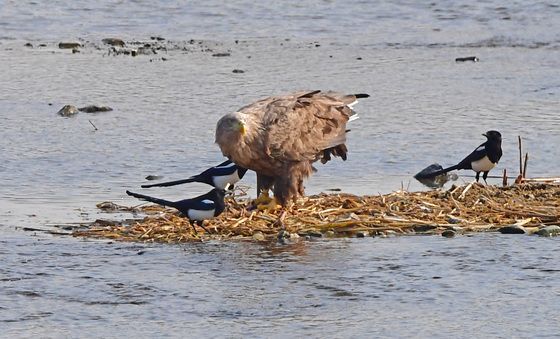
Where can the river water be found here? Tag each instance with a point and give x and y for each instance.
(424, 107)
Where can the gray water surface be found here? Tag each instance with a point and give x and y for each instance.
(424, 108)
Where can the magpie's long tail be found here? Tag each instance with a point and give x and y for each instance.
(436, 173)
(170, 183)
(151, 199)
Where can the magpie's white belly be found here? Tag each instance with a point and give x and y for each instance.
(482, 165)
(200, 215)
(221, 182)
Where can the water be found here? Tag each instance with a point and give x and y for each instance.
(424, 108)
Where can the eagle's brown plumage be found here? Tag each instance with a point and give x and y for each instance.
(280, 137)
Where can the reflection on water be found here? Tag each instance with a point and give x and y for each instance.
(424, 108)
(387, 287)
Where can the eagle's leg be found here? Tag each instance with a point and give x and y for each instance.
(280, 221)
(263, 200)
(477, 176)
(264, 184)
(301, 189)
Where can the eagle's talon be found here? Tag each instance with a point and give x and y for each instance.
(280, 221)
(265, 203)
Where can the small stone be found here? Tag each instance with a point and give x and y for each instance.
(258, 236)
(457, 229)
(75, 50)
(549, 231)
(221, 54)
(329, 234)
(283, 234)
(470, 58)
(422, 228)
(362, 234)
(145, 51)
(448, 233)
(69, 45)
(67, 111)
(28, 45)
(153, 177)
(455, 220)
(238, 71)
(388, 233)
(113, 42)
(312, 233)
(95, 108)
(294, 236)
(107, 206)
(512, 229)
(133, 53)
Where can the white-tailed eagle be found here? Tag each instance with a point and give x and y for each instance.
(280, 137)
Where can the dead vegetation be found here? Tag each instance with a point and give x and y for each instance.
(461, 209)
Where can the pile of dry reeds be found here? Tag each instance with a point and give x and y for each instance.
(469, 208)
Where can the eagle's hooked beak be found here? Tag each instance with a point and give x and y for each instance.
(486, 135)
(241, 128)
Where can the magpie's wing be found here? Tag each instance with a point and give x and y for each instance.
(225, 168)
(200, 204)
(479, 153)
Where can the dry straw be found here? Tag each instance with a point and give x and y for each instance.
(462, 209)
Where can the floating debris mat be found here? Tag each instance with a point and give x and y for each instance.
(523, 208)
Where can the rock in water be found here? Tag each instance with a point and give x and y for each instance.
(362, 234)
(549, 231)
(422, 228)
(448, 233)
(113, 42)
(69, 45)
(68, 111)
(512, 229)
(94, 109)
(258, 236)
(469, 58)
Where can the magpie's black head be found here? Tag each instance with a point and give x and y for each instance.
(493, 135)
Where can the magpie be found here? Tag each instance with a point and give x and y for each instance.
(482, 159)
(218, 176)
(203, 207)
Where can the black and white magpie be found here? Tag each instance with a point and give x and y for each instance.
(203, 207)
(218, 176)
(482, 159)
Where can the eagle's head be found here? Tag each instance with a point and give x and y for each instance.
(230, 126)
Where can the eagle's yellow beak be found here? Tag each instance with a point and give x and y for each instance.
(241, 128)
